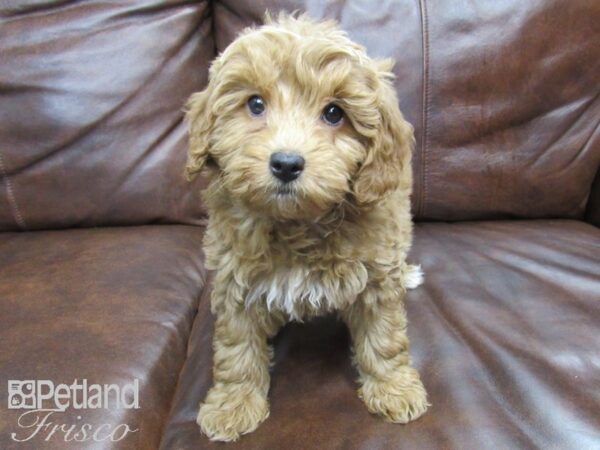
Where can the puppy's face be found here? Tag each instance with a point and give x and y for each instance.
(297, 119)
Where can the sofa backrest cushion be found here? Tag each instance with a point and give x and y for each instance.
(503, 95)
(91, 98)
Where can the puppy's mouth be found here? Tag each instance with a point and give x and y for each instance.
(285, 191)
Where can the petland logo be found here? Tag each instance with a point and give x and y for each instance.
(44, 402)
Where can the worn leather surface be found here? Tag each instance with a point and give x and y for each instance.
(504, 331)
(108, 305)
(91, 98)
(503, 96)
(504, 99)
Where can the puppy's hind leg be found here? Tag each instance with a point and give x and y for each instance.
(390, 387)
(237, 403)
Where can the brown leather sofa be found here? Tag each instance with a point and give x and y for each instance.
(101, 270)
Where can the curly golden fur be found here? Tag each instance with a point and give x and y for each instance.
(334, 239)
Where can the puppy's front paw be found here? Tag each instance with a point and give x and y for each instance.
(399, 399)
(231, 410)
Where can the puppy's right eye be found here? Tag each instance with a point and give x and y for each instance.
(256, 105)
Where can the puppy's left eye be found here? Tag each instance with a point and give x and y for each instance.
(333, 114)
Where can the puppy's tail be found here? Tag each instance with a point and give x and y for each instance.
(413, 276)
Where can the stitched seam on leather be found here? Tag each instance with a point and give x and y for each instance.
(12, 201)
(425, 106)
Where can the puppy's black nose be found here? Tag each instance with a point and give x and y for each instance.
(286, 166)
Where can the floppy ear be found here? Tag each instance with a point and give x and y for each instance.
(200, 122)
(387, 164)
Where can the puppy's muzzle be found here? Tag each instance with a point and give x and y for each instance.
(286, 166)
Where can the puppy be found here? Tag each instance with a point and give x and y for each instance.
(308, 161)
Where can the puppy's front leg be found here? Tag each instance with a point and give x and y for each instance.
(390, 387)
(237, 402)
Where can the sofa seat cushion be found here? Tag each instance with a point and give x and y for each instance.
(505, 333)
(109, 306)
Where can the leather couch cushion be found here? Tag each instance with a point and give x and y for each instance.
(91, 125)
(503, 96)
(504, 331)
(107, 305)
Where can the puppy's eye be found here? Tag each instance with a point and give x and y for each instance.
(256, 105)
(333, 114)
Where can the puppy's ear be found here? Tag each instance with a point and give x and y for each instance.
(200, 122)
(387, 164)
